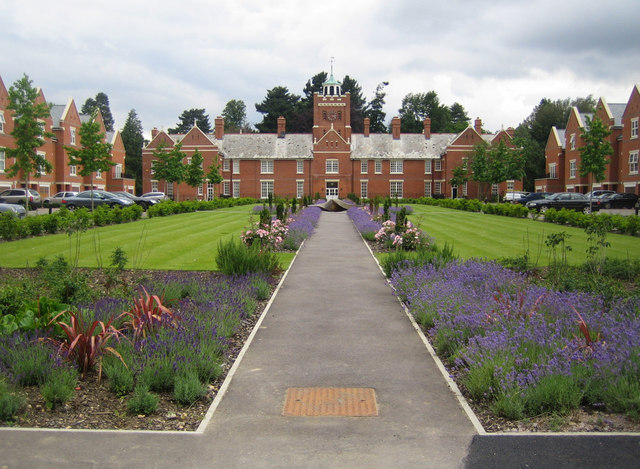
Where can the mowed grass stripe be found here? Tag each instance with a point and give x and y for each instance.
(156, 243)
(492, 236)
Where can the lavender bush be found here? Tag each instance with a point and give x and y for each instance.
(525, 348)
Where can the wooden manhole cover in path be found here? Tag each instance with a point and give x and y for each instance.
(338, 402)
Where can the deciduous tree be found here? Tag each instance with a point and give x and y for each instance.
(235, 116)
(194, 173)
(214, 176)
(28, 132)
(594, 153)
(169, 165)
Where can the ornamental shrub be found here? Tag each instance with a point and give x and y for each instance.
(11, 403)
(143, 402)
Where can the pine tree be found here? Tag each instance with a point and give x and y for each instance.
(133, 140)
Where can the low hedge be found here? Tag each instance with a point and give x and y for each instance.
(624, 224)
(169, 207)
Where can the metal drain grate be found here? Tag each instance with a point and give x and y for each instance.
(339, 402)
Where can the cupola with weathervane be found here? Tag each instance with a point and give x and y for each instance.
(331, 110)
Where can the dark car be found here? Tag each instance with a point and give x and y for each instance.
(145, 203)
(56, 200)
(83, 199)
(560, 200)
(621, 200)
(532, 196)
(14, 209)
(17, 196)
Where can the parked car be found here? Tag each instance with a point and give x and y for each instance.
(17, 210)
(560, 200)
(155, 195)
(17, 196)
(56, 200)
(532, 196)
(144, 202)
(514, 196)
(598, 193)
(621, 200)
(83, 199)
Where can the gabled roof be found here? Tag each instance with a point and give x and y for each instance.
(558, 135)
(408, 146)
(262, 146)
(56, 113)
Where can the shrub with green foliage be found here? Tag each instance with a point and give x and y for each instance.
(11, 403)
(188, 388)
(236, 258)
(60, 386)
(143, 401)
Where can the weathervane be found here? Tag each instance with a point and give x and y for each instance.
(332, 60)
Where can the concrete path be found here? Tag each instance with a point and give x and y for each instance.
(334, 323)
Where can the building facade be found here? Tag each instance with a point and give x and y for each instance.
(64, 123)
(562, 152)
(331, 161)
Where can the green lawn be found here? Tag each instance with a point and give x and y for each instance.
(493, 237)
(179, 242)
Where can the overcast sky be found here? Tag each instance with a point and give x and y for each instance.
(497, 59)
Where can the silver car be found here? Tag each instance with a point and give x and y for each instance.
(17, 196)
(56, 200)
(17, 210)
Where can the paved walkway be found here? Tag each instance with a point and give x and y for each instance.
(334, 324)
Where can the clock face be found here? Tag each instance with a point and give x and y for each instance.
(332, 115)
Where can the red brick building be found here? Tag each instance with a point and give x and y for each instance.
(331, 161)
(64, 123)
(562, 153)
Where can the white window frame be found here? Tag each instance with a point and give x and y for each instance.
(200, 190)
(72, 133)
(634, 127)
(332, 166)
(73, 170)
(2, 122)
(225, 165)
(236, 166)
(495, 189)
(117, 171)
(572, 142)
(209, 191)
(39, 169)
(553, 171)
(364, 188)
(235, 187)
(511, 184)
(398, 189)
(299, 166)
(154, 186)
(437, 190)
(437, 165)
(396, 166)
(266, 188)
(364, 166)
(465, 189)
(99, 174)
(427, 189)
(573, 169)
(266, 166)
(225, 187)
(3, 160)
(299, 188)
(427, 166)
(378, 167)
(633, 162)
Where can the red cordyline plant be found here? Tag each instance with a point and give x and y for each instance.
(505, 307)
(586, 333)
(147, 313)
(85, 344)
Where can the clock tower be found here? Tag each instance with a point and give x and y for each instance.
(332, 167)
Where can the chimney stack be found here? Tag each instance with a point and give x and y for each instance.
(511, 131)
(395, 128)
(367, 125)
(219, 127)
(282, 124)
(154, 133)
(427, 128)
(478, 125)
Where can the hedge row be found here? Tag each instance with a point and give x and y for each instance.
(473, 205)
(624, 224)
(12, 227)
(169, 207)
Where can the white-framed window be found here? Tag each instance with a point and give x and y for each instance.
(300, 167)
(266, 166)
(154, 186)
(427, 189)
(72, 131)
(634, 127)
(331, 167)
(427, 167)
(378, 167)
(395, 189)
(364, 189)
(170, 190)
(225, 187)
(573, 168)
(99, 174)
(438, 188)
(299, 188)
(511, 185)
(236, 189)
(437, 165)
(188, 161)
(495, 188)
(364, 166)
(572, 141)
(236, 166)
(3, 122)
(266, 188)
(200, 189)
(72, 170)
(209, 191)
(553, 171)
(117, 171)
(225, 165)
(633, 162)
(397, 166)
(3, 160)
(465, 189)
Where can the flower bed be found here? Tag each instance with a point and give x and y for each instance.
(525, 350)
